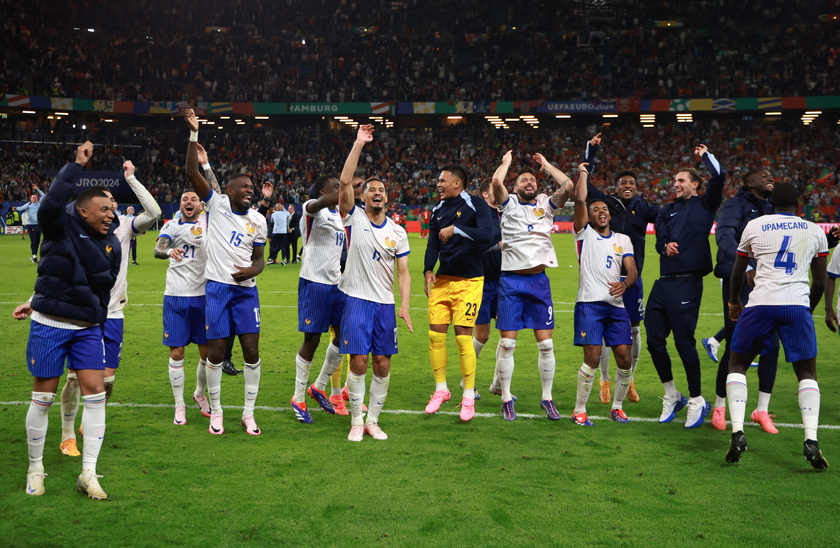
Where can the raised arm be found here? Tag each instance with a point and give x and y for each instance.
(591, 150)
(151, 209)
(53, 205)
(581, 189)
(497, 186)
(204, 162)
(199, 183)
(564, 184)
(713, 196)
(347, 199)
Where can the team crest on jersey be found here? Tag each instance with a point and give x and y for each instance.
(250, 228)
(166, 335)
(108, 250)
(583, 333)
(618, 249)
(32, 361)
(307, 321)
(539, 212)
(196, 231)
(458, 214)
(390, 244)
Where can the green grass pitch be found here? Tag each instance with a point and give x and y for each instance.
(436, 481)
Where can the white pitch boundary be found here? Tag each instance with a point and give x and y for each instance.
(414, 412)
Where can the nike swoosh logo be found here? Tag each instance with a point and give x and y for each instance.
(83, 236)
(674, 213)
(36, 439)
(684, 302)
(753, 211)
(215, 429)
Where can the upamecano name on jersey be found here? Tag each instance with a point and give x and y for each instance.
(785, 225)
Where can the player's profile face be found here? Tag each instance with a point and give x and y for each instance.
(448, 185)
(626, 187)
(332, 186)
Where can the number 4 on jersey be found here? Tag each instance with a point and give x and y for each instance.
(785, 259)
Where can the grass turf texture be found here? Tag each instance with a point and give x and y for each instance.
(436, 481)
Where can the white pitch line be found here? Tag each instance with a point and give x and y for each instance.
(415, 412)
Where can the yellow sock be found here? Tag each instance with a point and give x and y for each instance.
(437, 355)
(335, 378)
(467, 354)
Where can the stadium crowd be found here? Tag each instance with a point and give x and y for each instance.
(411, 159)
(469, 50)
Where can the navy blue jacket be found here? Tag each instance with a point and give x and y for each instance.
(492, 258)
(475, 231)
(78, 267)
(688, 222)
(629, 217)
(732, 219)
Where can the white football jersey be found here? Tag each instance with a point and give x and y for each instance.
(834, 265)
(186, 278)
(599, 260)
(372, 255)
(783, 247)
(526, 233)
(323, 240)
(119, 293)
(231, 238)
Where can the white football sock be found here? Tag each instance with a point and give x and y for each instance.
(378, 393)
(547, 366)
(763, 401)
(356, 391)
(332, 360)
(302, 368)
(622, 379)
(70, 395)
(201, 377)
(477, 345)
(214, 387)
(635, 348)
(809, 406)
(252, 386)
(604, 362)
(504, 365)
(176, 380)
(736, 399)
(93, 425)
(584, 386)
(37, 419)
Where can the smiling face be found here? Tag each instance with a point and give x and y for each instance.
(98, 213)
(684, 187)
(526, 187)
(190, 207)
(761, 183)
(599, 216)
(626, 187)
(449, 185)
(241, 191)
(374, 196)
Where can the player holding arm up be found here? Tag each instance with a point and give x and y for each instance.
(235, 256)
(524, 289)
(376, 247)
(600, 315)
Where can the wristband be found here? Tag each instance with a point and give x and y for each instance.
(626, 285)
(205, 167)
(193, 136)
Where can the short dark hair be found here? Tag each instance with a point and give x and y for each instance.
(316, 188)
(370, 180)
(233, 178)
(785, 195)
(626, 174)
(752, 173)
(523, 170)
(458, 171)
(485, 186)
(93, 192)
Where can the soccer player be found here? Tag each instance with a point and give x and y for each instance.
(80, 261)
(235, 256)
(31, 210)
(376, 247)
(785, 248)
(830, 287)
(461, 229)
(630, 214)
(685, 257)
(320, 302)
(182, 243)
(748, 203)
(600, 315)
(425, 219)
(524, 289)
(112, 329)
(279, 235)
